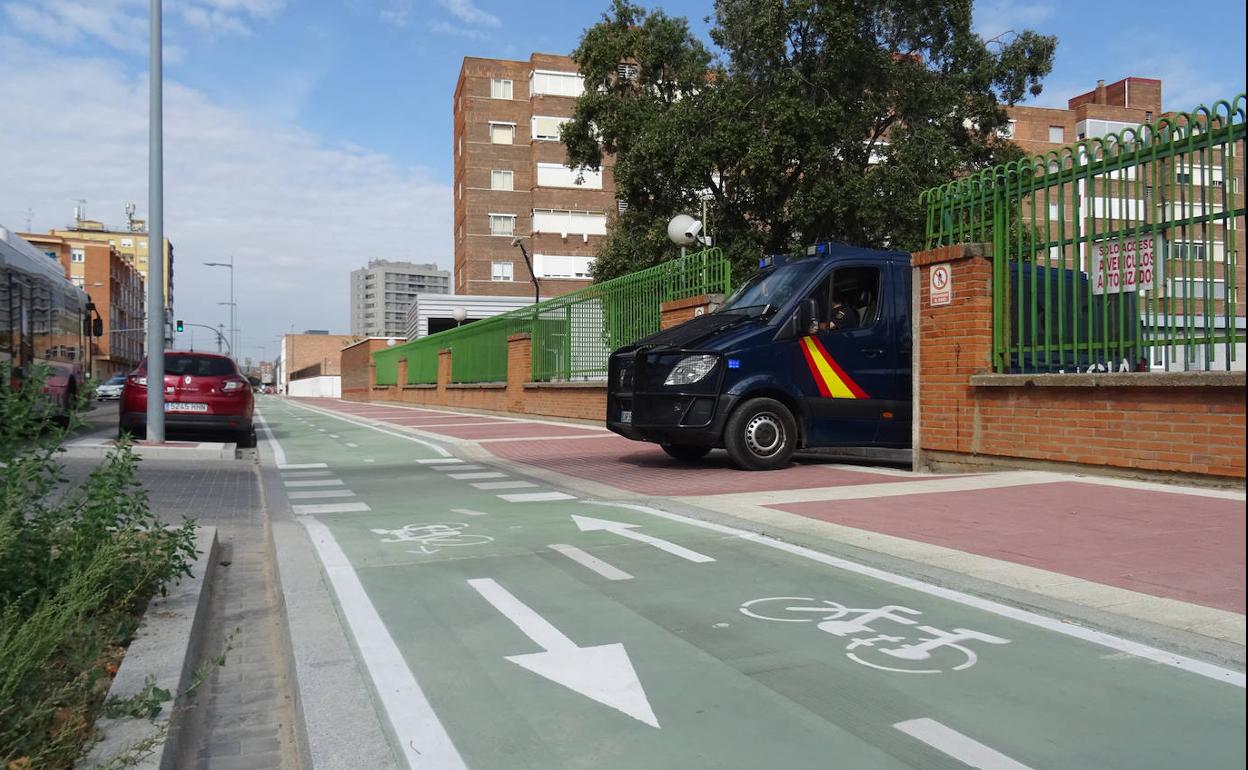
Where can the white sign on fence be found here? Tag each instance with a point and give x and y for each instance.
(940, 284)
(1123, 265)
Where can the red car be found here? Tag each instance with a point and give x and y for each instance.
(203, 392)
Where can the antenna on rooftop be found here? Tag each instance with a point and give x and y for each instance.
(130, 216)
(30, 216)
(80, 211)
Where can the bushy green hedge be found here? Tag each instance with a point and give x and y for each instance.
(78, 563)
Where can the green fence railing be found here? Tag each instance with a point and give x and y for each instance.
(572, 335)
(1118, 252)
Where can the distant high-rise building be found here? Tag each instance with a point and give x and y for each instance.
(512, 179)
(382, 292)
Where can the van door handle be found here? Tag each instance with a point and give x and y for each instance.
(872, 352)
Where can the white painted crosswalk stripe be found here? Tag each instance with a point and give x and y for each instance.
(535, 497)
(300, 466)
(352, 445)
(440, 461)
(486, 475)
(331, 508)
(315, 483)
(591, 562)
(503, 484)
(468, 512)
(319, 493)
(306, 474)
(458, 468)
(952, 743)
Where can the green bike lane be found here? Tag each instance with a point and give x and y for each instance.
(644, 640)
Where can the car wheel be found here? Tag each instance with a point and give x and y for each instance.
(686, 451)
(247, 439)
(761, 435)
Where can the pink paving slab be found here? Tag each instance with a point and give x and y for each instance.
(645, 468)
(1167, 544)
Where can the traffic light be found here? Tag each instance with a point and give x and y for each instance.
(179, 326)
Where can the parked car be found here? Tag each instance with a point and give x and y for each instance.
(110, 390)
(203, 392)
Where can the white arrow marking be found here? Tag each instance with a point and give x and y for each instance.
(602, 672)
(589, 524)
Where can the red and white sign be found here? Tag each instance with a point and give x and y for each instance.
(940, 283)
(1123, 265)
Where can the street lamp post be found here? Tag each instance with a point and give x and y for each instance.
(156, 235)
(233, 325)
(537, 291)
(459, 314)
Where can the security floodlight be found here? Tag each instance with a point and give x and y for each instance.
(683, 230)
(459, 314)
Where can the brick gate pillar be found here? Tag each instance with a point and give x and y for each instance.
(952, 341)
(680, 310)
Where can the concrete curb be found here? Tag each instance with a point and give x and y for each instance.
(336, 720)
(166, 648)
(98, 448)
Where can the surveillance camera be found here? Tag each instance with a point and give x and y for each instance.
(693, 230)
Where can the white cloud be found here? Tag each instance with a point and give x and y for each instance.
(227, 16)
(996, 17)
(396, 12)
(297, 213)
(120, 24)
(467, 12)
(446, 28)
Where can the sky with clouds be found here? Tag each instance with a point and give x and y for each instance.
(307, 136)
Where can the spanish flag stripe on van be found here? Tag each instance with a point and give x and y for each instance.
(829, 376)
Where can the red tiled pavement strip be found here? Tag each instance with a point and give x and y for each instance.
(1184, 547)
(646, 468)
(511, 430)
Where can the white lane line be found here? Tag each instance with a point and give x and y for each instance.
(406, 437)
(331, 508)
(353, 446)
(334, 435)
(591, 562)
(322, 430)
(536, 497)
(315, 483)
(279, 455)
(369, 460)
(469, 512)
(952, 743)
(319, 493)
(458, 468)
(503, 484)
(1110, 641)
(485, 475)
(440, 461)
(299, 466)
(306, 474)
(412, 718)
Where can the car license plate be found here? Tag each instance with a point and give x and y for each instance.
(182, 407)
(626, 415)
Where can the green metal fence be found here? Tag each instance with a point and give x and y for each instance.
(1118, 252)
(572, 335)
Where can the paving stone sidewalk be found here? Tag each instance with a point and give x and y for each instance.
(243, 716)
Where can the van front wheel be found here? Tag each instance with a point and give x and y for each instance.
(761, 435)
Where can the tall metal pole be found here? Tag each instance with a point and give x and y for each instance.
(156, 237)
(233, 310)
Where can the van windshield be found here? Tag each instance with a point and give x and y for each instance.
(772, 287)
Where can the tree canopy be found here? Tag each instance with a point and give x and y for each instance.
(812, 120)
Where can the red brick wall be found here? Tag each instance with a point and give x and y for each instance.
(586, 401)
(1170, 423)
(356, 362)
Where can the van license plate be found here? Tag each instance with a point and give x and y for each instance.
(626, 415)
(181, 407)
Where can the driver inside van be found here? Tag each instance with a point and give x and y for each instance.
(840, 314)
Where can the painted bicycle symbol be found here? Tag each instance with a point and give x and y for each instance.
(432, 537)
(933, 652)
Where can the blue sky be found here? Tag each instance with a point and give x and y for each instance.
(306, 136)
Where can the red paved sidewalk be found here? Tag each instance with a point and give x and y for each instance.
(1175, 545)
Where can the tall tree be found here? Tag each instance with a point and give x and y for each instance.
(817, 120)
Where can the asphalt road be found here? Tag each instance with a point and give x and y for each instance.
(508, 624)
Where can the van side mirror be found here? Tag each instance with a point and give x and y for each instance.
(97, 327)
(806, 317)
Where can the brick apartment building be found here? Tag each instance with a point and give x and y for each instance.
(511, 179)
(1105, 109)
(115, 285)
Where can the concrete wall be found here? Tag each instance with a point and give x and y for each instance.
(1150, 423)
(326, 386)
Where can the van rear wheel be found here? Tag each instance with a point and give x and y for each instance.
(761, 435)
(686, 451)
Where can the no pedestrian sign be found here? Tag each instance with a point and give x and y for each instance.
(940, 281)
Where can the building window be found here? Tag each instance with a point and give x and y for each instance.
(621, 206)
(558, 175)
(584, 223)
(546, 128)
(500, 271)
(502, 224)
(502, 133)
(500, 89)
(561, 266)
(502, 180)
(556, 83)
(1057, 134)
(626, 71)
(1007, 131)
(77, 255)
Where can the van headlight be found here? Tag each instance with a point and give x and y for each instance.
(691, 369)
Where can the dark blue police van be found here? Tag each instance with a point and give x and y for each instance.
(810, 352)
